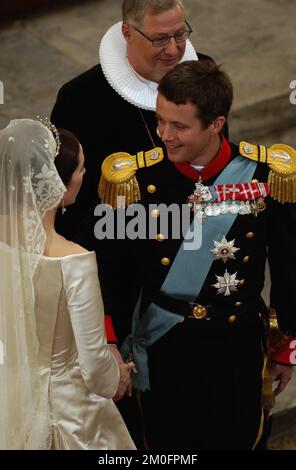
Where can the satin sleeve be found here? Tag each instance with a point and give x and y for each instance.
(99, 368)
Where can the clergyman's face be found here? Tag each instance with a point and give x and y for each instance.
(152, 62)
(183, 133)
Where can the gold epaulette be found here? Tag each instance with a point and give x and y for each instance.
(281, 160)
(118, 184)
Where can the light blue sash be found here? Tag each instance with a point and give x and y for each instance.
(184, 279)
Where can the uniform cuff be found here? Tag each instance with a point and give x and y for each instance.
(110, 332)
(286, 354)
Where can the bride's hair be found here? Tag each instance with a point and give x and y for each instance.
(68, 158)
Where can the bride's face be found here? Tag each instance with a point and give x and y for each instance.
(75, 182)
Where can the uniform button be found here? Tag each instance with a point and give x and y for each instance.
(260, 315)
(151, 188)
(255, 181)
(246, 259)
(160, 237)
(199, 312)
(241, 282)
(232, 319)
(250, 235)
(165, 261)
(155, 213)
(238, 304)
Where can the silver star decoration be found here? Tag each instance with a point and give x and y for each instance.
(227, 283)
(224, 250)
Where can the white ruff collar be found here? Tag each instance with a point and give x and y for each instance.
(121, 76)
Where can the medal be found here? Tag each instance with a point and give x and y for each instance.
(208, 210)
(224, 208)
(233, 208)
(241, 198)
(226, 284)
(257, 206)
(224, 250)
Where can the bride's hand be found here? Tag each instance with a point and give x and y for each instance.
(125, 381)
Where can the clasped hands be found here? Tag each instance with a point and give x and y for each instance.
(125, 369)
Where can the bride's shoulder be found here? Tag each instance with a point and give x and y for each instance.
(62, 247)
(72, 248)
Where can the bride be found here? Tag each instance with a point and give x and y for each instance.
(57, 375)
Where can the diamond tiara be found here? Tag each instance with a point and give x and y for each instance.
(45, 121)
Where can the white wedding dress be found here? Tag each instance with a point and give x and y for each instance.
(76, 366)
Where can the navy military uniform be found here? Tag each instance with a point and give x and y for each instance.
(205, 372)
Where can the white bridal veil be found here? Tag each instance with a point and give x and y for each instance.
(29, 187)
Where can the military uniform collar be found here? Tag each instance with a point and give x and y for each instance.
(212, 168)
(120, 75)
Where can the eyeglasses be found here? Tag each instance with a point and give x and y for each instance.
(179, 36)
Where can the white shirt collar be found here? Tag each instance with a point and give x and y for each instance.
(120, 74)
(197, 167)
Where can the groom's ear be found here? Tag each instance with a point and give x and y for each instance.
(217, 125)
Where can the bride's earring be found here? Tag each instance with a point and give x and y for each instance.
(63, 207)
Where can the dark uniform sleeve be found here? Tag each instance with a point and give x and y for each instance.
(282, 261)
